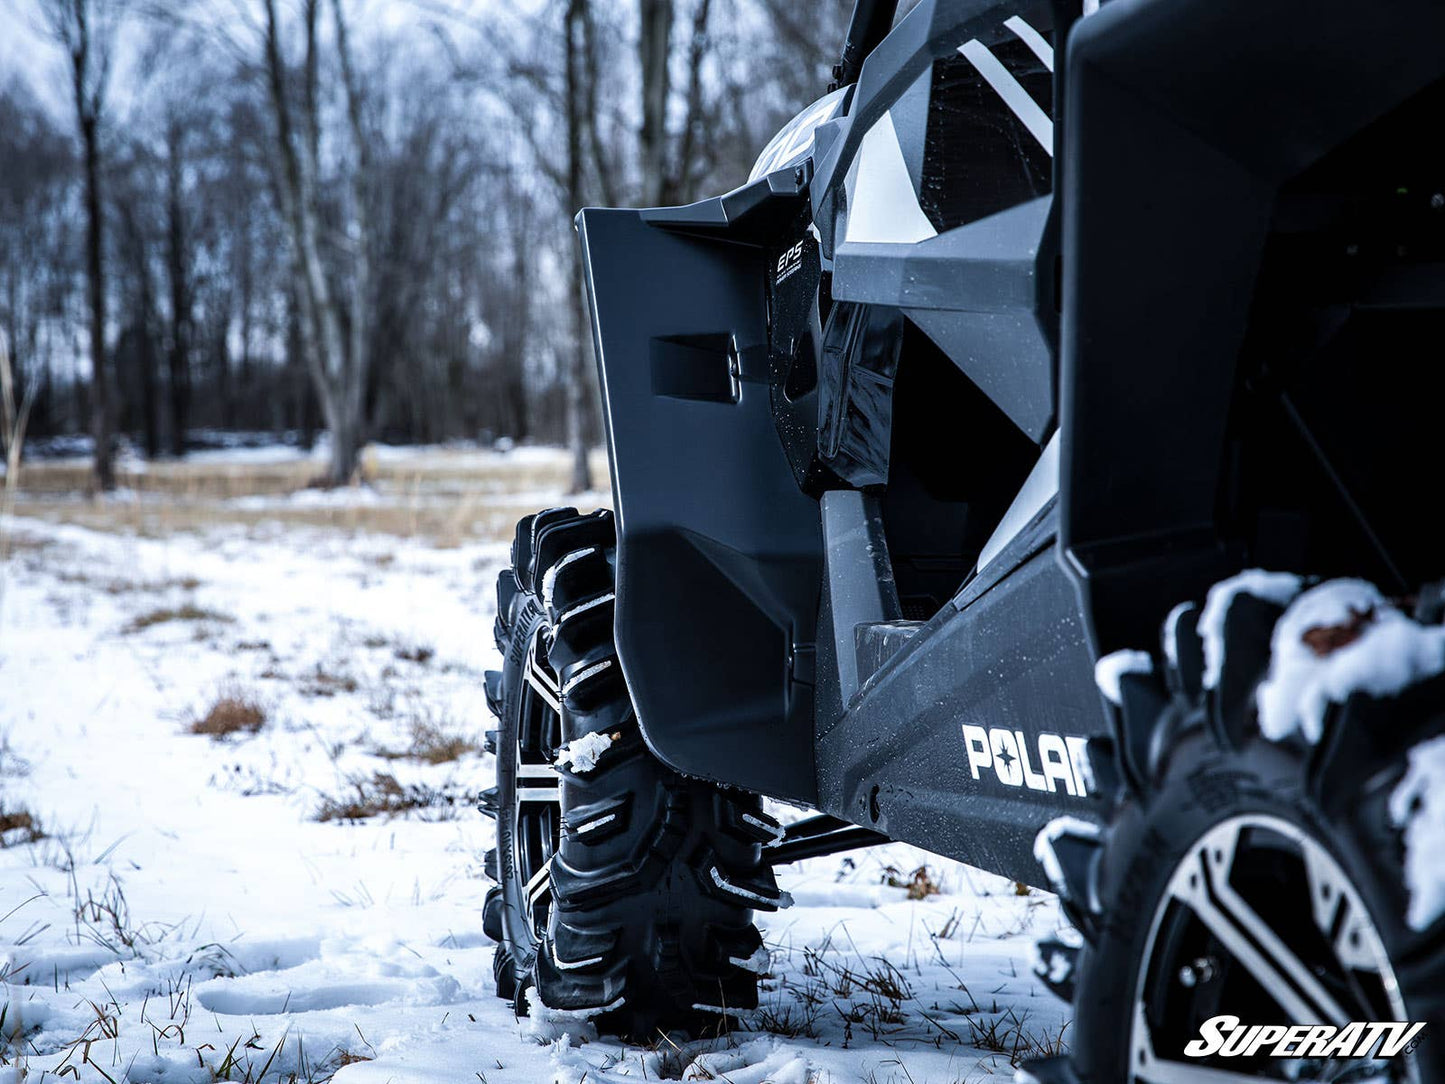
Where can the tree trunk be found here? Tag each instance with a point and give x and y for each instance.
(95, 282)
(577, 397)
(142, 321)
(514, 347)
(575, 28)
(653, 41)
(298, 180)
(147, 355)
(678, 183)
(179, 355)
(346, 460)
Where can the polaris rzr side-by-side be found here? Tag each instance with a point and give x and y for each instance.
(1032, 462)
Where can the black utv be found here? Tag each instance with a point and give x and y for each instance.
(1033, 462)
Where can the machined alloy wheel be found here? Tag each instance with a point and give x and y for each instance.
(1252, 859)
(1228, 937)
(537, 793)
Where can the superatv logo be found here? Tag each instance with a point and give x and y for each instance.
(1062, 765)
(1227, 1037)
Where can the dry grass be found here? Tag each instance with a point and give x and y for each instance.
(234, 712)
(414, 652)
(12, 764)
(470, 519)
(166, 614)
(326, 680)
(432, 742)
(19, 826)
(116, 585)
(1009, 1034)
(920, 883)
(24, 543)
(448, 498)
(384, 796)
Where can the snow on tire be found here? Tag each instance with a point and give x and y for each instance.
(606, 857)
(1274, 843)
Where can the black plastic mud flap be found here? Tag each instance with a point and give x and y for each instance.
(719, 552)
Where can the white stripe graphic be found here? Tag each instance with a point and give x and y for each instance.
(1033, 39)
(882, 204)
(1013, 94)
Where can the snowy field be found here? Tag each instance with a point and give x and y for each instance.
(239, 735)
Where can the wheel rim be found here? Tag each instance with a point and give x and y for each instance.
(1228, 936)
(537, 809)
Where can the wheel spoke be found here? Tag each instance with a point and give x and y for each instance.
(1251, 940)
(1341, 916)
(540, 886)
(538, 783)
(1221, 892)
(542, 685)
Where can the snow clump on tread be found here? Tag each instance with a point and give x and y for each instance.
(759, 963)
(1336, 639)
(1109, 671)
(583, 754)
(1277, 587)
(1417, 805)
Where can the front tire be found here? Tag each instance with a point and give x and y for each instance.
(624, 888)
(1255, 876)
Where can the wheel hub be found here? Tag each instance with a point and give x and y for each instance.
(1259, 921)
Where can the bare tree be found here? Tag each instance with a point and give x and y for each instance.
(178, 273)
(375, 254)
(654, 55)
(338, 374)
(668, 160)
(574, 34)
(37, 264)
(353, 371)
(86, 30)
(134, 355)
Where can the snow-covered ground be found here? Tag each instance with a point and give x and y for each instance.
(199, 909)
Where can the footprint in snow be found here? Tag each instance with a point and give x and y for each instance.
(270, 995)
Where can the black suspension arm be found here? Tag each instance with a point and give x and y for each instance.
(817, 835)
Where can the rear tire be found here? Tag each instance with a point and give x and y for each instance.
(624, 888)
(1259, 877)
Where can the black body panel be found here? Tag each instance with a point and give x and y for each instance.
(719, 555)
(757, 363)
(1016, 659)
(983, 288)
(1170, 178)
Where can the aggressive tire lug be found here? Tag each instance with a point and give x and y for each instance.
(487, 802)
(1068, 849)
(605, 904)
(1248, 625)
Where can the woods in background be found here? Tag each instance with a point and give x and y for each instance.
(303, 215)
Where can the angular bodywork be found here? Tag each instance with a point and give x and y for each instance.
(894, 455)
